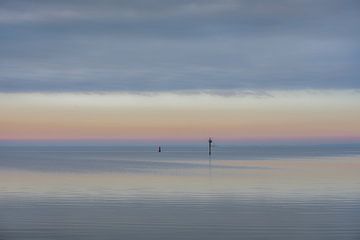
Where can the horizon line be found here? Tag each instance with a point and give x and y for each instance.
(217, 141)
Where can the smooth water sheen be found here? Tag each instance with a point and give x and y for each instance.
(241, 192)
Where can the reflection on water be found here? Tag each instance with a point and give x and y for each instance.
(137, 193)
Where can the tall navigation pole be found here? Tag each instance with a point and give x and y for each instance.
(210, 142)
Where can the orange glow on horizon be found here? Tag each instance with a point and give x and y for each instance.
(284, 115)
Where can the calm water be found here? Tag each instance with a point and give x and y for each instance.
(263, 192)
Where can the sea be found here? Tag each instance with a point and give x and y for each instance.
(273, 192)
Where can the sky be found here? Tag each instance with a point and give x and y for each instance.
(179, 70)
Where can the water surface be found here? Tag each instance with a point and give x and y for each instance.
(133, 192)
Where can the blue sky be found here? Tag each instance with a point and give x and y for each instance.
(95, 46)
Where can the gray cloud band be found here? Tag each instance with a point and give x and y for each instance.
(178, 45)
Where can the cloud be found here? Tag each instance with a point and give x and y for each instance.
(178, 45)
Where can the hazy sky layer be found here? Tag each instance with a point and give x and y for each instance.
(179, 70)
(167, 45)
(278, 115)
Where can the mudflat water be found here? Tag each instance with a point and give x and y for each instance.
(133, 192)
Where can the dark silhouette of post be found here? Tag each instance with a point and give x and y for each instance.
(210, 142)
(159, 149)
